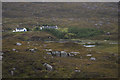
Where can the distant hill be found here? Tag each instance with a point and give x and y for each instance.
(60, 10)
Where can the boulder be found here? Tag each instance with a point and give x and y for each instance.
(69, 54)
(93, 58)
(28, 42)
(44, 57)
(75, 53)
(89, 55)
(12, 73)
(19, 44)
(14, 49)
(63, 54)
(108, 33)
(44, 45)
(14, 68)
(48, 67)
(48, 49)
(49, 53)
(77, 70)
(1, 57)
(57, 53)
(32, 50)
(1, 53)
(53, 53)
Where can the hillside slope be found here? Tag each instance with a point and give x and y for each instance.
(60, 10)
(88, 15)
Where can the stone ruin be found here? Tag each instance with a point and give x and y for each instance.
(61, 53)
(58, 53)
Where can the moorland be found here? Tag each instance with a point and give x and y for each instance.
(79, 24)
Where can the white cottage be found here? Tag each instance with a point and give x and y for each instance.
(20, 30)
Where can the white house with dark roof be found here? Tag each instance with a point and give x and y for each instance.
(48, 27)
(20, 30)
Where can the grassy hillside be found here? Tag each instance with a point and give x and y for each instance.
(61, 14)
(30, 64)
(102, 16)
(60, 10)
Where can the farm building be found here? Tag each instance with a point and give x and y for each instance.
(48, 27)
(20, 30)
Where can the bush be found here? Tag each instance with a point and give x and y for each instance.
(74, 32)
(55, 32)
(36, 29)
(70, 35)
(84, 32)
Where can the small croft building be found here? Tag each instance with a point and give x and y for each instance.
(20, 30)
(48, 27)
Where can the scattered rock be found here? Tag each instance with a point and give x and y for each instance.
(57, 53)
(108, 33)
(1, 53)
(12, 73)
(93, 58)
(53, 53)
(96, 24)
(44, 45)
(44, 57)
(19, 44)
(14, 49)
(69, 54)
(89, 55)
(14, 69)
(1, 57)
(32, 50)
(113, 43)
(28, 42)
(49, 53)
(77, 70)
(48, 49)
(75, 53)
(105, 40)
(63, 54)
(48, 67)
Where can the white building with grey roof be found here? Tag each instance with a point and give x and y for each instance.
(20, 30)
(48, 27)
